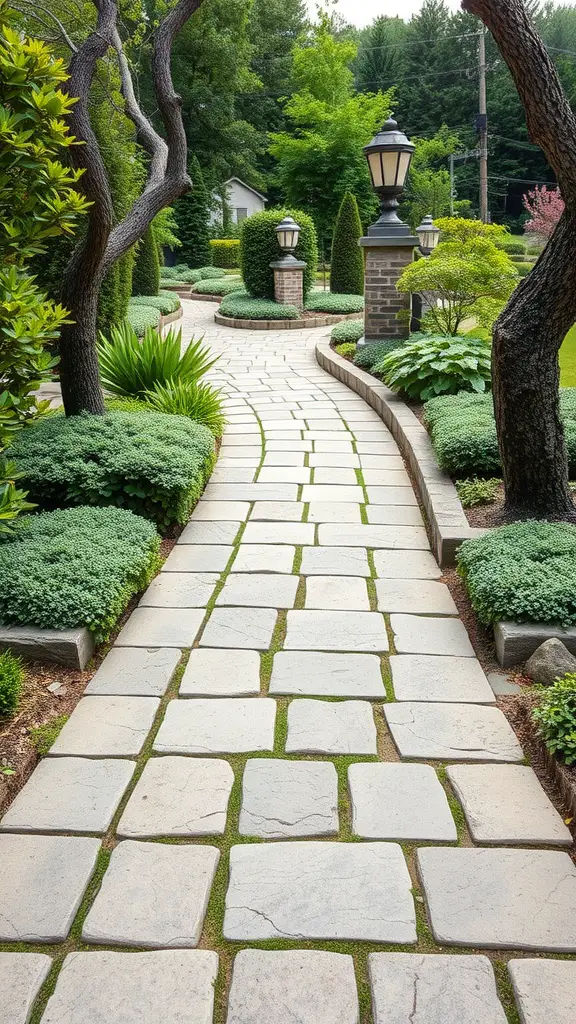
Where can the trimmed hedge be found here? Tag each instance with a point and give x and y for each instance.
(259, 247)
(348, 330)
(243, 306)
(146, 271)
(164, 302)
(372, 354)
(513, 245)
(75, 567)
(347, 260)
(328, 302)
(152, 463)
(11, 680)
(525, 572)
(142, 316)
(220, 286)
(225, 252)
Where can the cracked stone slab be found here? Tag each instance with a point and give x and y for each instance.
(458, 732)
(21, 977)
(278, 533)
(199, 532)
(161, 627)
(178, 796)
(231, 725)
(259, 590)
(42, 883)
(420, 988)
(310, 986)
(197, 558)
(399, 801)
(319, 561)
(424, 597)
(331, 727)
(106, 727)
(327, 675)
(404, 565)
(319, 890)
(500, 899)
(248, 628)
(432, 677)
(545, 990)
(335, 631)
(180, 590)
(171, 986)
(424, 634)
(340, 593)
(153, 895)
(288, 798)
(221, 673)
(69, 794)
(134, 672)
(366, 536)
(506, 804)
(264, 558)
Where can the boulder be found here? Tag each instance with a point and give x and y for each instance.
(550, 660)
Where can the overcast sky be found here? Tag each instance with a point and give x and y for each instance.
(362, 12)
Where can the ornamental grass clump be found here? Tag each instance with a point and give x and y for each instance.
(11, 680)
(555, 717)
(201, 402)
(524, 572)
(129, 366)
(435, 364)
(152, 463)
(75, 567)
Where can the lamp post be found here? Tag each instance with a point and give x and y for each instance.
(388, 243)
(288, 271)
(428, 235)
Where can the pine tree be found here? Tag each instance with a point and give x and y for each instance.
(191, 215)
(347, 264)
(146, 273)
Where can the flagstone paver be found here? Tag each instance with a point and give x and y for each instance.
(21, 975)
(305, 554)
(303, 985)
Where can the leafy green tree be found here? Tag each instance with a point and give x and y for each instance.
(146, 273)
(347, 262)
(428, 187)
(191, 213)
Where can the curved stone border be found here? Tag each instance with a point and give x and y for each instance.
(181, 289)
(283, 325)
(169, 318)
(447, 521)
(200, 297)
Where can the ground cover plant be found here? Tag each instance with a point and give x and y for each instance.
(348, 330)
(331, 302)
(477, 491)
(75, 567)
(372, 354)
(242, 305)
(11, 679)
(434, 364)
(129, 366)
(140, 318)
(165, 302)
(524, 572)
(219, 286)
(152, 463)
(555, 717)
(346, 349)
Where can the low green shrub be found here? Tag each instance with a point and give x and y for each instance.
(11, 680)
(225, 252)
(333, 302)
(512, 244)
(436, 364)
(524, 268)
(13, 501)
(525, 572)
(129, 366)
(346, 349)
(201, 402)
(369, 355)
(75, 567)
(555, 716)
(184, 274)
(477, 492)
(142, 318)
(168, 273)
(220, 286)
(347, 330)
(164, 302)
(152, 463)
(243, 306)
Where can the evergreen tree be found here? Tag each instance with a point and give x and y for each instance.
(381, 54)
(146, 273)
(347, 264)
(191, 216)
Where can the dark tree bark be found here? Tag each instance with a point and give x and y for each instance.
(105, 241)
(530, 330)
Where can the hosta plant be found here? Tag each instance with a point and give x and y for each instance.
(436, 364)
(555, 716)
(129, 366)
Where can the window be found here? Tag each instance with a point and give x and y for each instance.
(241, 213)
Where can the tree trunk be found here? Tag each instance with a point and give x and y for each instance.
(79, 373)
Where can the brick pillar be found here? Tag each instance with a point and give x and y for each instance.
(289, 282)
(386, 258)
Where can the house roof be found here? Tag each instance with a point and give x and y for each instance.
(249, 187)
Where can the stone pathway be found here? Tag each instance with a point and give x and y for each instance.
(263, 829)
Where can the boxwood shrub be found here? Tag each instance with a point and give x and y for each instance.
(142, 316)
(75, 567)
(259, 247)
(332, 302)
(525, 572)
(243, 306)
(369, 355)
(225, 252)
(348, 330)
(152, 463)
(219, 286)
(164, 302)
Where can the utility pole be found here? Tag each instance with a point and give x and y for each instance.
(452, 184)
(483, 128)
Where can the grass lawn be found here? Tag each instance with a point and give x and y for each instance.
(568, 360)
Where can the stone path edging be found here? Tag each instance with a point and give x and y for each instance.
(446, 517)
(170, 318)
(280, 325)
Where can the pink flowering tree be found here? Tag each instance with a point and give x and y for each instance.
(545, 206)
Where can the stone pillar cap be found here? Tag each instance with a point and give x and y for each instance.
(389, 242)
(288, 263)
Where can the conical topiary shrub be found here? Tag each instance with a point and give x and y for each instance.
(347, 263)
(191, 213)
(146, 272)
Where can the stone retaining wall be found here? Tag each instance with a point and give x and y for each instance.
(282, 325)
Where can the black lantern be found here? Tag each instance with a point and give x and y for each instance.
(389, 156)
(287, 234)
(428, 235)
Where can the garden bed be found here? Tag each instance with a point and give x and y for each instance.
(308, 319)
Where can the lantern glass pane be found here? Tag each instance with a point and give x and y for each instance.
(403, 166)
(375, 169)
(390, 167)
